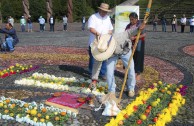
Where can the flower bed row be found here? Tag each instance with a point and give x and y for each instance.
(32, 113)
(153, 107)
(17, 68)
(61, 83)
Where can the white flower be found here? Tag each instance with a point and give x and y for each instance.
(3, 116)
(69, 112)
(82, 79)
(2, 98)
(49, 124)
(74, 115)
(48, 108)
(41, 105)
(89, 81)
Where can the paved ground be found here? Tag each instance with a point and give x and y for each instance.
(165, 53)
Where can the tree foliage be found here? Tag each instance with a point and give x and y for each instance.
(37, 9)
(11, 8)
(81, 8)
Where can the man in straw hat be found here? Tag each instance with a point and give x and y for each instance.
(110, 48)
(98, 24)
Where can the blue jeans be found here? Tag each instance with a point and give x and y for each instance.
(164, 27)
(29, 25)
(173, 27)
(52, 27)
(41, 27)
(23, 28)
(111, 64)
(91, 62)
(9, 42)
(83, 26)
(191, 28)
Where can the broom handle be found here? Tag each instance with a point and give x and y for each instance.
(134, 47)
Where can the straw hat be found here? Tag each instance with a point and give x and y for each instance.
(104, 7)
(103, 48)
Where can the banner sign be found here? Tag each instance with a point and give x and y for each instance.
(122, 16)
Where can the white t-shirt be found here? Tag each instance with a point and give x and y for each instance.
(101, 24)
(183, 20)
(41, 20)
(51, 20)
(191, 21)
(65, 20)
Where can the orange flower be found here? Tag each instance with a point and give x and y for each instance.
(6, 111)
(63, 113)
(26, 105)
(44, 110)
(7, 101)
(39, 115)
(57, 118)
(13, 105)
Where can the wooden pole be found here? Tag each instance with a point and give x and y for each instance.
(134, 47)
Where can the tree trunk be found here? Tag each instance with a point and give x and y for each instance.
(70, 11)
(26, 8)
(49, 7)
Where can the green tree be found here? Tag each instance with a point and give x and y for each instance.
(11, 8)
(37, 9)
(80, 9)
(59, 8)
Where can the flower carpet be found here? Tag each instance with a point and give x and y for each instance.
(33, 113)
(53, 55)
(155, 105)
(189, 50)
(62, 83)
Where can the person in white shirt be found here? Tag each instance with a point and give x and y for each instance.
(11, 20)
(83, 23)
(183, 23)
(98, 24)
(23, 24)
(191, 21)
(52, 23)
(42, 23)
(65, 23)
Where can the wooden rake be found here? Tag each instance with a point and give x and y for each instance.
(134, 47)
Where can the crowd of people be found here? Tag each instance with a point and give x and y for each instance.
(41, 20)
(174, 23)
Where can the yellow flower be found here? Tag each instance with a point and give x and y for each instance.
(11, 114)
(35, 119)
(1, 104)
(47, 117)
(42, 120)
(33, 112)
(155, 84)
(160, 82)
(169, 92)
(183, 101)
(180, 86)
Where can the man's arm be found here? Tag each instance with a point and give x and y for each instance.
(10, 32)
